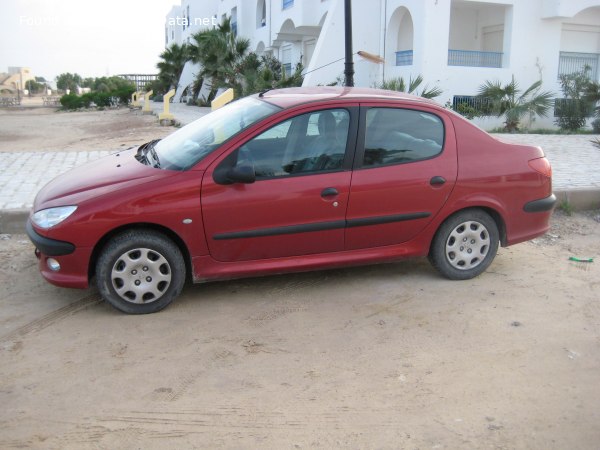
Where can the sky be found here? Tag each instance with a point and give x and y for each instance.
(93, 39)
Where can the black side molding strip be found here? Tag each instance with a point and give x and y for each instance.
(541, 205)
(291, 229)
(385, 219)
(320, 226)
(47, 246)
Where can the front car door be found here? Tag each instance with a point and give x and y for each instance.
(405, 170)
(298, 202)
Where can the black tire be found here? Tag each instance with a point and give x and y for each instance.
(140, 272)
(465, 245)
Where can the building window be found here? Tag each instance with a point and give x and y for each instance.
(471, 58)
(404, 58)
(286, 59)
(572, 62)
(401, 35)
(234, 28)
(261, 14)
(476, 35)
(467, 105)
(287, 4)
(568, 107)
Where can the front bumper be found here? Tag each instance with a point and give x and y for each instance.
(73, 260)
(47, 246)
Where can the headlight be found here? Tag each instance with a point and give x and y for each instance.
(47, 218)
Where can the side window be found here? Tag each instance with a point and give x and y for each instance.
(308, 143)
(395, 136)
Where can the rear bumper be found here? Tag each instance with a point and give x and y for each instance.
(541, 205)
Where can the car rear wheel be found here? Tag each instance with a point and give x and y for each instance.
(465, 245)
(140, 272)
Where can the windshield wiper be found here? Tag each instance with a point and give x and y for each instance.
(154, 155)
(142, 154)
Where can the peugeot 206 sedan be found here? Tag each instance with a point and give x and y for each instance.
(290, 180)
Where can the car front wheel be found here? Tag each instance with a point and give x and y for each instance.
(465, 245)
(140, 272)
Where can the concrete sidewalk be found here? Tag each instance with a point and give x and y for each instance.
(575, 162)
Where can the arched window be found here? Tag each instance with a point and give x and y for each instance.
(400, 38)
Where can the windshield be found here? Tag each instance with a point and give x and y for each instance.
(189, 145)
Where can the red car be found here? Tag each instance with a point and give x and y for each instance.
(290, 180)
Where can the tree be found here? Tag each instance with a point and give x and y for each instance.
(575, 107)
(171, 66)
(219, 52)
(507, 101)
(68, 81)
(267, 72)
(398, 84)
(34, 87)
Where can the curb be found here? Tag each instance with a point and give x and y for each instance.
(12, 221)
(579, 199)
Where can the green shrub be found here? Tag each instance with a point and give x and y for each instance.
(123, 94)
(71, 101)
(596, 126)
(87, 99)
(102, 99)
(572, 111)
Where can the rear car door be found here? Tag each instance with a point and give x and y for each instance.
(405, 170)
(298, 202)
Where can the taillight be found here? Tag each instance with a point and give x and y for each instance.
(541, 165)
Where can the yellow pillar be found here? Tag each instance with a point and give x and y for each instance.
(166, 115)
(135, 99)
(222, 99)
(147, 109)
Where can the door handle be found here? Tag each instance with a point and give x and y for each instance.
(437, 181)
(329, 192)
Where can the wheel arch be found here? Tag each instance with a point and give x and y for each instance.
(103, 241)
(492, 212)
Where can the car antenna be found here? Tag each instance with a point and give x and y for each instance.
(262, 93)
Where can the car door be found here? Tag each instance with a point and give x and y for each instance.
(405, 169)
(297, 204)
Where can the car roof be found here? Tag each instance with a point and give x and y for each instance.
(289, 97)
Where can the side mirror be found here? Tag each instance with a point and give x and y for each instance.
(244, 173)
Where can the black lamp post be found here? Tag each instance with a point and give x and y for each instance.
(349, 64)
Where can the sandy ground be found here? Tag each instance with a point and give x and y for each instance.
(43, 129)
(389, 356)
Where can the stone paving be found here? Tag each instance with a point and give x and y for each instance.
(575, 161)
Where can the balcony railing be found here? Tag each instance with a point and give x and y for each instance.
(404, 58)
(474, 59)
(571, 62)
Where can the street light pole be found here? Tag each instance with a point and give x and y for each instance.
(349, 64)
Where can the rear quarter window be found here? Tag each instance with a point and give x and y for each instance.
(396, 136)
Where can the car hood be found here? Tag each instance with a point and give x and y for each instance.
(96, 178)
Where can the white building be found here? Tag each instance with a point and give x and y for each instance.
(454, 44)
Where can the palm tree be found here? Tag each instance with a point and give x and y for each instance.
(219, 52)
(508, 101)
(398, 84)
(171, 66)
